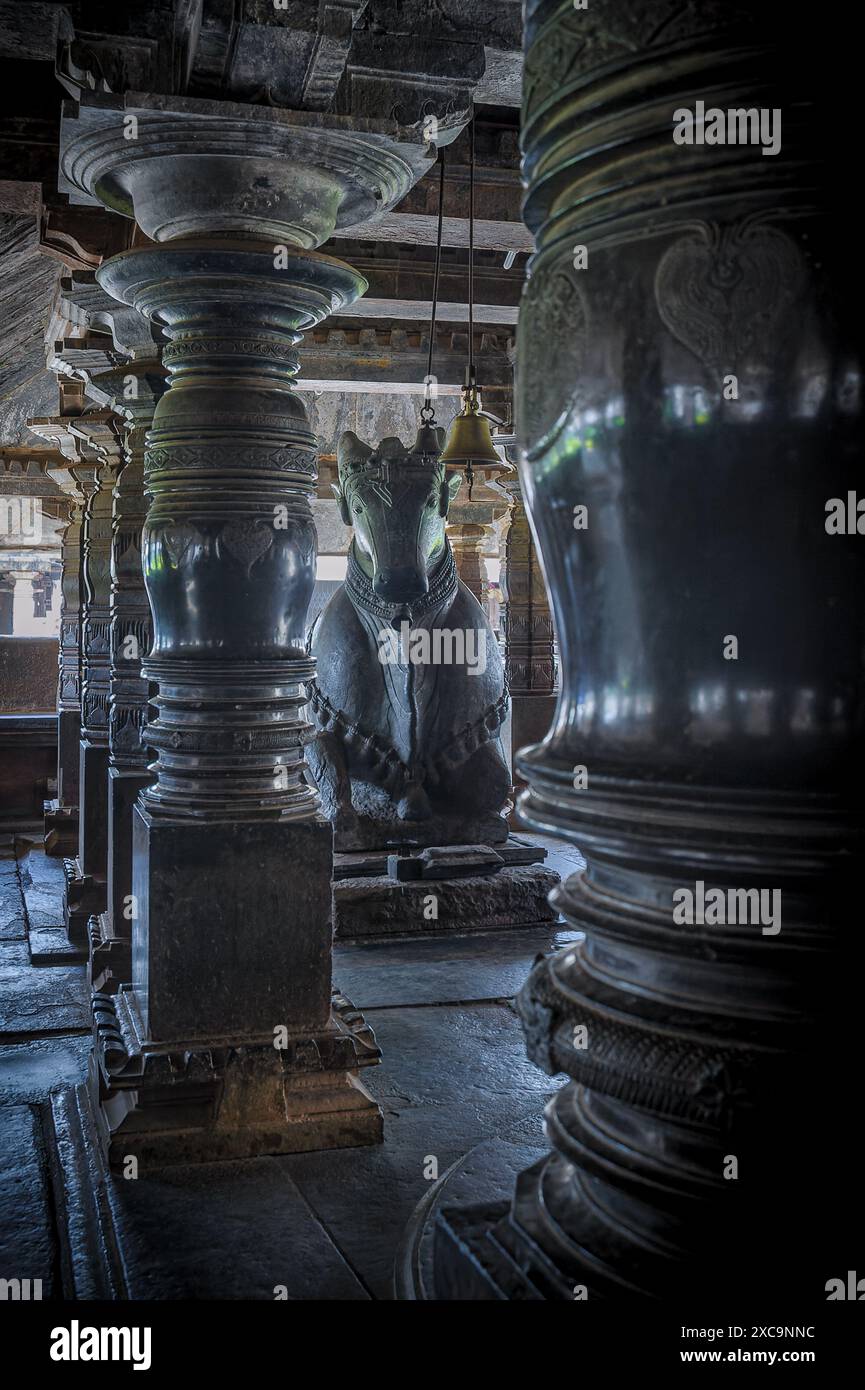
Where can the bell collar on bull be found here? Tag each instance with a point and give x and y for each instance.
(400, 564)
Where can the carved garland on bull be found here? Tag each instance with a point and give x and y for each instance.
(408, 745)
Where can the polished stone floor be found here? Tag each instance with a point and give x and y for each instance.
(321, 1225)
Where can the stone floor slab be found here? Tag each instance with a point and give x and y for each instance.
(30, 1071)
(238, 1230)
(13, 923)
(366, 1198)
(41, 1001)
(42, 884)
(441, 1056)
(51, 946)
(450, 969)
(27, 1246)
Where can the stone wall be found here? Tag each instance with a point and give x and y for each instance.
(28, 675)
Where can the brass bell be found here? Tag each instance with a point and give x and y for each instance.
(470, 441)
(430, 439)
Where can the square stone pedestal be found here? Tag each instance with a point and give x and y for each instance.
(111, 932)
(61, 829)
(227, 1044)
(372, 898)
(68, 755)
(85, 875)
(93, 814)
(83, 897)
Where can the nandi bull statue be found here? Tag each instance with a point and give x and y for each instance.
(409, 696)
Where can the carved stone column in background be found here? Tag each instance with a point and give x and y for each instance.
(235, 198)
(528, 639)
(86, 874)
(467, 542)
(63, 815)
(122, 375)
(471, 530)
(131, 637)
(687, 404)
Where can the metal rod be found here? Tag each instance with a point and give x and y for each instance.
(471, 364)
(435, 294)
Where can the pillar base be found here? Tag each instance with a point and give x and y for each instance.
(83, 896)
(61, 829)
(124, 786)
(436, 1258)
(93, 829)
(232, 1098)
(110, 957)
(69, 737)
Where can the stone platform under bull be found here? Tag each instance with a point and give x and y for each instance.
(446, 888)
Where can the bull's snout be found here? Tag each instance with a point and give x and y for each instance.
(400, 584)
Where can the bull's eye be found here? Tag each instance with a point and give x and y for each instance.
(358, 509)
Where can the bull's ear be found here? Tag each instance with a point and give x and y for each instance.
(450, 488)
(350, 449)
(343, 504)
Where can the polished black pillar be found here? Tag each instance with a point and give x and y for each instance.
(689, 402)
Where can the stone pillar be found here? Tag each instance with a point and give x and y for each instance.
(131, 637)
(527, 631)
(124, 377)
(467, 541)
(689, 409)
(231, 941)
(61, 815)
(86, 874)
(74, 472)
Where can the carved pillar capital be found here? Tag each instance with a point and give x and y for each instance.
(185, 167)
